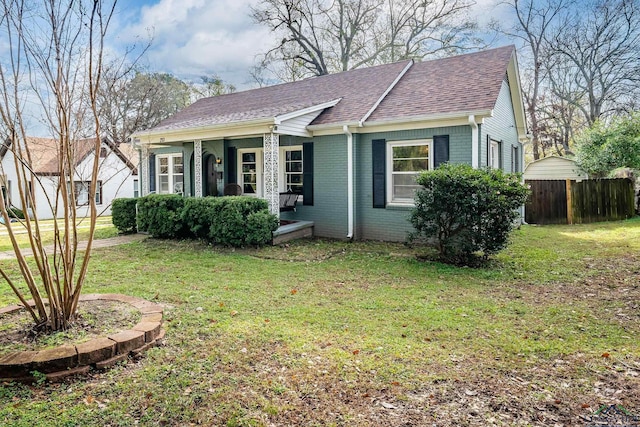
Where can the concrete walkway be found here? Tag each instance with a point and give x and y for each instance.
(98, 243)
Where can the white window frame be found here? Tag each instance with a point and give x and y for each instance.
(259, 171)
(136, 188)
(494, 158)
(82, 189)
(282, 167)
(389, 168)
(170, 174)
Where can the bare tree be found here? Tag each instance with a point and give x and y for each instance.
(320, 37)
(138, 100)
(54, 59)
(535, 20)
(598, 48)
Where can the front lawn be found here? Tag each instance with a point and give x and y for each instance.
(362, 334)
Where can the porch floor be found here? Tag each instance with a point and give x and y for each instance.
(295, 230)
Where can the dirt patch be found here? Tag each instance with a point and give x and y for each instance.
(95, 319)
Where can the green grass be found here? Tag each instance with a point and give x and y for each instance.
(319, 332)
(104, 229)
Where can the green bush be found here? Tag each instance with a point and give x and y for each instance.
(230, 226)
(161, 215)
(466, 213)
(198, 215)
(260, 226)
(123, 214)
(15, 213)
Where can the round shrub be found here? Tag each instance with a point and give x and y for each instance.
(161, 215)
(465, 213)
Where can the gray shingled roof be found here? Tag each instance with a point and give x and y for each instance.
(457, 84)
(463, 83)
(359, 90)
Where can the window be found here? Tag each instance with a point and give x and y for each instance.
(6, 190)
(405, 160)
(82, 192)
(515, 159)
(136, 188)
(292, 172)
(170, 174)
(251, 172)
(103, 152)
(494, 154)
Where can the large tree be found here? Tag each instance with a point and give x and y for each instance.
(320, 37)
(598, 47)
(52, 66)
(534, 21)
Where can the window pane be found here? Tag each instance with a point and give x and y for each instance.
(404, 186)
(164, 184)
(248, 167)
(294, 155)
(411, 151)
(248, 157)
(294, 167)
(410, 165)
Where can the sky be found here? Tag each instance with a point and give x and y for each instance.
(191, 38)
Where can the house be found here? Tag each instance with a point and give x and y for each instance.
(117, 175)
(554, 168)
(350, 144)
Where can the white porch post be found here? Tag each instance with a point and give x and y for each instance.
(144, 170)
(271, 145)
(197, 167)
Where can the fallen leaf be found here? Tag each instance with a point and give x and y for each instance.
(470, 392)
(355, 352)
(606, 355)
(267, 320)
(388, 405)
(294, 291)
(395, 383)
(584, 405)
(233, 313)
(221, 304)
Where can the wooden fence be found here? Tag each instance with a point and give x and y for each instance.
(576, 202)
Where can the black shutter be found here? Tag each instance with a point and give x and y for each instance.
(440, 150)
(488, 151)
(230, 165)
(307, 173)
(152, 173)
(500, 165)
(379, 160)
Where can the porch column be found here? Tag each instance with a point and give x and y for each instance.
(197, 167)
(144, 171)
(271, 145)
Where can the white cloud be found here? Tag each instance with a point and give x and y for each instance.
(198, 37)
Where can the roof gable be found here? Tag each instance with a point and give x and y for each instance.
(44, 153)
(459, 84)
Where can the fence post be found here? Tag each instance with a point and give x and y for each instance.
(569, 203)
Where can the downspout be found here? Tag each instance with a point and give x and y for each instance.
(474, 142)
(346, 131)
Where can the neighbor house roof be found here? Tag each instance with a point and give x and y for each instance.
(44, 153)
(463, 84)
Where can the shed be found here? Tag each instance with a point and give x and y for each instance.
(554, 168)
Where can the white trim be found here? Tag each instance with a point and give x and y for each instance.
(283, 163)
(288, 116)
(259, 170)
(170, 173)
(386, 92)
(389, 167)
(350, 192)
(475, 149)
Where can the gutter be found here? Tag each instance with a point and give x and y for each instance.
(475, 156)
(350, 195)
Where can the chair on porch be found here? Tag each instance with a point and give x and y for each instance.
(288, 201)
(232, 190)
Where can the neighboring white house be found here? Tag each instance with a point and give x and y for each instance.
(117, 175)
(554, 167)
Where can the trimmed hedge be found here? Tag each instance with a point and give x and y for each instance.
(161, 215)
(123, 214)
(229, 221)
